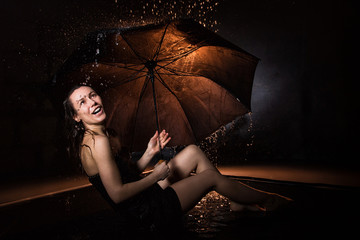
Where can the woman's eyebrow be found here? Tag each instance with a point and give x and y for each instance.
(81, 98)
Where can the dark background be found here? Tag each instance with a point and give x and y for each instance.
(304, 105)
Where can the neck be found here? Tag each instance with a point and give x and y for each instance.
(98, 129)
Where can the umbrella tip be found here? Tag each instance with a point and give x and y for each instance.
(151, 64)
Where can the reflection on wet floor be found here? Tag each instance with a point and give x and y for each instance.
(10, 194)
(209, 215)
(317, 213)
(319, 209)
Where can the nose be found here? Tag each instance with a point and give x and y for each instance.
(92, 102)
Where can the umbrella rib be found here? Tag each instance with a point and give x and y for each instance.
(176, 72)
(156, 55)
(186, 52)
(132, 77)
(168, 88)
(132, 49)
(130, 80)
(143, 90)
(181, 55)
(173, 45)
(137, 107)
(127, 67)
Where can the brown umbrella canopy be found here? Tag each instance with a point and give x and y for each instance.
(200, 80)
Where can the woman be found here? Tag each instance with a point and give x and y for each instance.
(156, 201)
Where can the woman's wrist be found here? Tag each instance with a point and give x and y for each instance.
(149, 153)
(154, 177)
(145, 159)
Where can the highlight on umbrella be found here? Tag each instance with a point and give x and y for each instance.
(175, 75)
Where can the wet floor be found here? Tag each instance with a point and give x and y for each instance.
(318, 211)
(15, 193)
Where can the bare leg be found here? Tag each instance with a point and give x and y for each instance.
(183, 164)
(190, 189)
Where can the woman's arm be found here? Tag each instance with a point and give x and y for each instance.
(110, 175)
(153, 149)
(145, 159)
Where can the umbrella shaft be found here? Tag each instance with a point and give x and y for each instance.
(156, 111)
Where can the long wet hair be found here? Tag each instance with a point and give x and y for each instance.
(74, 131)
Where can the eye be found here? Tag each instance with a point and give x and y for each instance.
(93, 95)
(81, 102)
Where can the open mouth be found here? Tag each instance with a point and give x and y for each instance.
(97, 110)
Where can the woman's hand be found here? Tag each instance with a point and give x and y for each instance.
(153, 145)
(161, 171)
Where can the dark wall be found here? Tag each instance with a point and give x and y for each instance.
(304, 90)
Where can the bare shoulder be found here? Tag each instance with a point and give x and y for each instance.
(99, 145)
(94, 141)
(96, 150)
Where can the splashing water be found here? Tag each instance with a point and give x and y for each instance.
(155, 11)
(209, 216)
(124, 14)
(249, 145)
(60, 42)
(233, 139)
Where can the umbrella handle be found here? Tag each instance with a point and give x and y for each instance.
(160, 161)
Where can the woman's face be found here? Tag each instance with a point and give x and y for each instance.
(88, 106)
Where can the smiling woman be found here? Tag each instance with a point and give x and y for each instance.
(75, 109)
(155, 202)
(88, 102)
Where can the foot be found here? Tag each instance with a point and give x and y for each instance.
(237, 207)
(274, 202)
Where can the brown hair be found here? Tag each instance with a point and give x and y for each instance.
(74, 131)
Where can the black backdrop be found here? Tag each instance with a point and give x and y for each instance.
(304, 97)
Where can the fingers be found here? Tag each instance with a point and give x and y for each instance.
(165, 142)
(167, 170)
(155, 135)
(163, 135)
(162, 170)
(164, 138)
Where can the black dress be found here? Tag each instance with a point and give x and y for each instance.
(153, 210)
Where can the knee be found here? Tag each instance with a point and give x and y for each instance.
(189, 151)
(192, 148)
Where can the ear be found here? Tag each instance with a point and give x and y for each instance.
(76, 118)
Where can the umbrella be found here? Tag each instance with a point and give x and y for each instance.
(176, 75)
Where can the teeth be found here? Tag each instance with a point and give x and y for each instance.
(96, 110)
